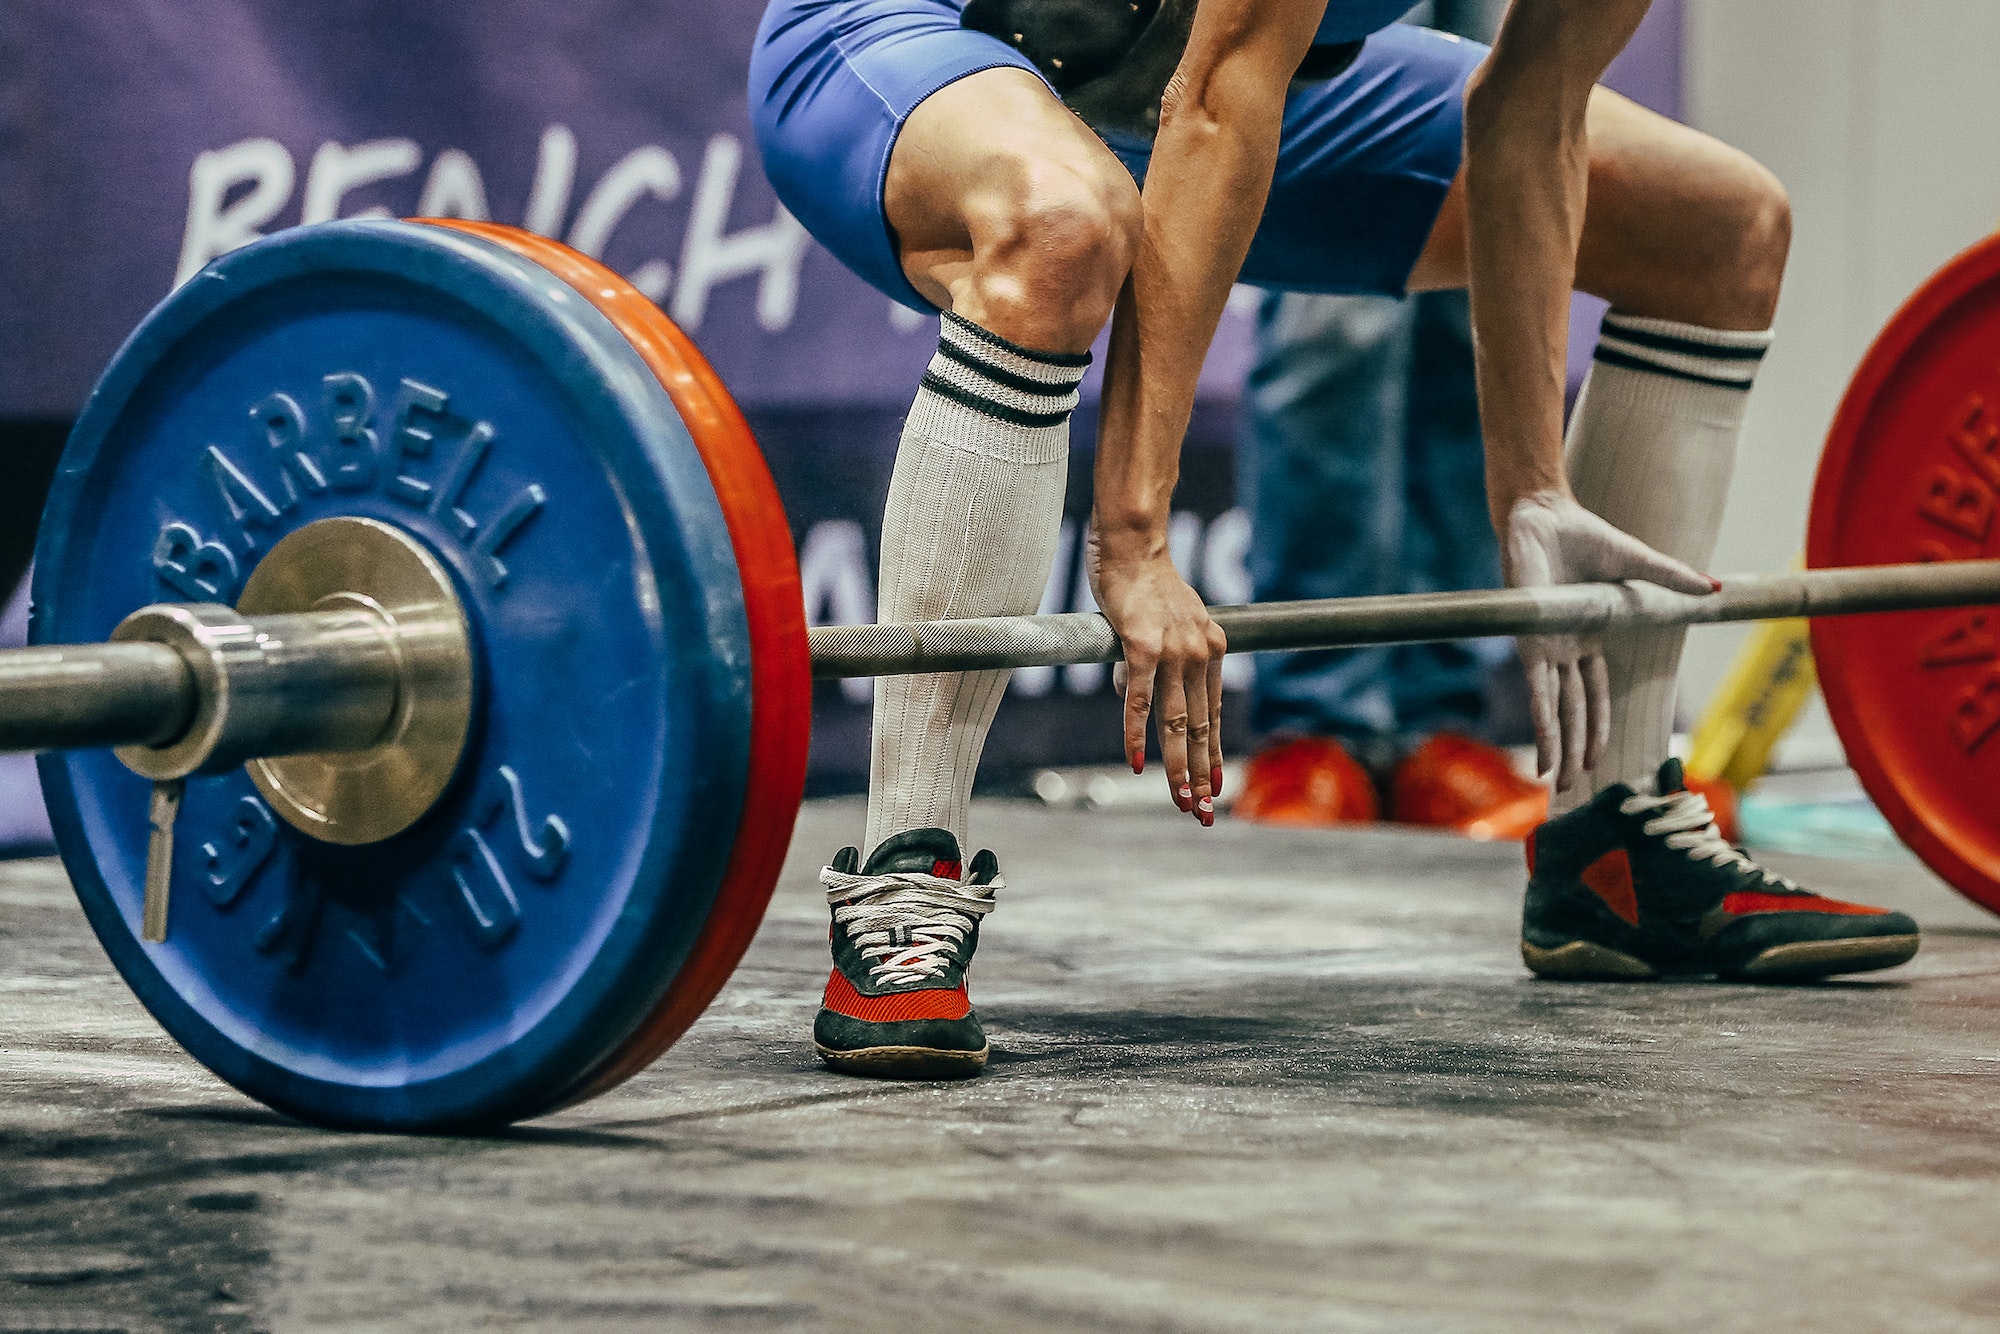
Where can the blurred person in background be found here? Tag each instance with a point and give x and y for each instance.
(1363, 467)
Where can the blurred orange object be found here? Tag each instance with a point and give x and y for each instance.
(1721, 798)
(1308, 780)
(1453, 782)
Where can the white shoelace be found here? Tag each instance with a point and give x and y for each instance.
(906, 923)
(1684, 817)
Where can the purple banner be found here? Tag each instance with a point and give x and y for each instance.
(138, 140)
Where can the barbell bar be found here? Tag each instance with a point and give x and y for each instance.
(471, 668)
(980, 643)
(329, 680)
(317, 681)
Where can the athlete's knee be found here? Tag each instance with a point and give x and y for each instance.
(1755, 238)
(1053, 247)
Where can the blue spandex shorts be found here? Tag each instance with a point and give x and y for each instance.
(1363, 164)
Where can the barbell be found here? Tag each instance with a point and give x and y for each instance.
(420, 672)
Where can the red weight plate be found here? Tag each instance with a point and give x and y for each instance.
(1912, 472)
(780, 661)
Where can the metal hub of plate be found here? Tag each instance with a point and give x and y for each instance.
(364, 796)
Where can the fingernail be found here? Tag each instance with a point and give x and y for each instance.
(1186, 797)
(1715, 583)
(1138, 764)
(1215, 780)
(1207, 807)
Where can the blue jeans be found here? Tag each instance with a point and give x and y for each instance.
(1364, 470)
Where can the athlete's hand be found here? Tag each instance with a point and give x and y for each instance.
(1550, 539)
(1172, 669)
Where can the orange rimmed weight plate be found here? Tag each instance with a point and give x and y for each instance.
(780, 659)
(1912, 472)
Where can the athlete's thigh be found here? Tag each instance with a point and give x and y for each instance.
(832, 85)
(1664, 224)
(975, 157)
(1679, 225)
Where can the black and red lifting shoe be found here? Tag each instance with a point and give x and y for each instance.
(1631, 886)
(904, 929)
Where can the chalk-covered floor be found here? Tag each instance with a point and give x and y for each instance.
(1244, 1079)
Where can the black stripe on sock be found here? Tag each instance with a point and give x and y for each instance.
(959, 322)
(967, 399)
(1002, 376)
(1611, 356)
(1686, 347)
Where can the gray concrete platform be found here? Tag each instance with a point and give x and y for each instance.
(1245, 1079)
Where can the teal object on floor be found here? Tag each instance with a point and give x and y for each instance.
(1846, 827)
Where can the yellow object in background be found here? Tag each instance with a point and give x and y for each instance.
(1766, 686)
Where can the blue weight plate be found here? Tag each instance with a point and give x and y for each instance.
(470, 969)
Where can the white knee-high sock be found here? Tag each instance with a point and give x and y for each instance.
(975, 506)
(1652, 447)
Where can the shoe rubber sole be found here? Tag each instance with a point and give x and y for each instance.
(906, 1062)
(1582, 961)
(1823, 958)
(1585, 961)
